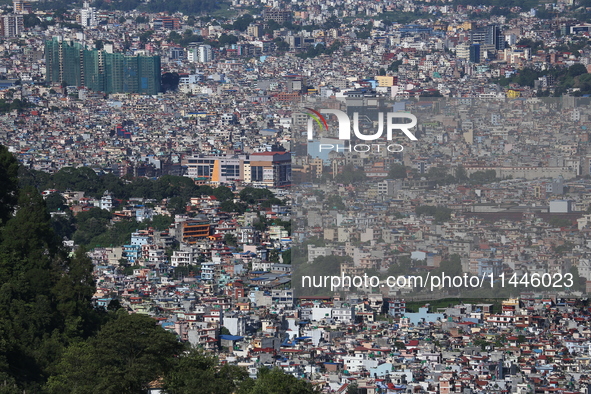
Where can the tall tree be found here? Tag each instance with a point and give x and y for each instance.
(28, 315)
(275, 381)
(196, 372)
(9, 182)
(128, 353)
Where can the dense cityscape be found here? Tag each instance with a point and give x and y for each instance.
(183, 211)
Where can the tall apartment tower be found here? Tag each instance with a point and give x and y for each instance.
(205, 54)
(21, 7)
(70, 63)
(489, 35)
(11, 25)
(88, 15)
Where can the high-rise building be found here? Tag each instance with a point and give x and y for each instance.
(63, 62)
(70, 63)
(88, 15)
(489, 35)
(475, 53)
(21, 7)
(192, 53)
(11, 25)
(205, 53)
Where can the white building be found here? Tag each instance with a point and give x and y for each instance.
(88, 15)
(205, 54)
(106, 201)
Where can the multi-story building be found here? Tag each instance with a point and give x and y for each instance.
(21, 7)
(254, 30)
(88, 15)
(167, 23)
(396, 307)
(12, 25)
(204, 53)
(194, 229)
(70, 63)
(271, 169)
(188, 255)
(489, 35)
(475, 53)
(216, 168)
(388, 187)
(277, 15)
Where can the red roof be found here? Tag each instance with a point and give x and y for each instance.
(268, 153)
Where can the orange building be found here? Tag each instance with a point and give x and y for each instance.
(194, 230)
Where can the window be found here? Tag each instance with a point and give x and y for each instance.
(230, 170)
(256, 173)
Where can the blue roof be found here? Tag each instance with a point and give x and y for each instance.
(231, 337)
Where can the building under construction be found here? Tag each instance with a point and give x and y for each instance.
(72, 64)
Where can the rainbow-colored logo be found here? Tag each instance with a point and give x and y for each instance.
(317, 116)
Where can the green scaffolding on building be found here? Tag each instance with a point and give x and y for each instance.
(71, 64)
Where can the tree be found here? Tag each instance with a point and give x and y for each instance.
(482, 177)
(437, 173)
(73, 292)
(576, 69)
(350, 174)
(332, 22)
(251, 195)
(281, 44)
(177, 205)
(397, 171)
(28, 240)
(197, 372)
(578, 281)
(273, 256)
(394, 66)
(55, 202)
(441, 214)
(353, 388)
(227, 39)
(461, 174)
(230, 239)
(77, 371)
(30, 20)
(91, 224)
(9, 182)
(223, 193)
(334, 201)
(83, 178)
(128, 353)
(451, 266)
(161, 222)
(44, 295)
(286, 256)
(275, 381)
(242, 22)
(230, 206)
(28, 313)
